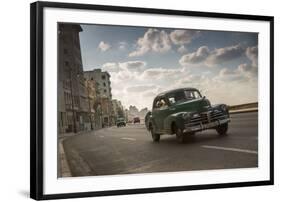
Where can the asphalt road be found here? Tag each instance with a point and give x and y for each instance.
(130, 150)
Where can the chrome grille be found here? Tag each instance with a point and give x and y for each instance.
(206, 117)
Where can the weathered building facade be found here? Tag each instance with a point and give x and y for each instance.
(72, 94)
(84, 97)
(94, 103)
(103, 83)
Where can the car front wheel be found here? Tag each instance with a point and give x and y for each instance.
(181, 137)
(222, 129)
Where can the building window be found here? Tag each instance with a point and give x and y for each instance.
(65, 51)
(104, 84)
(104, 91)
(75, 101)
(66, 63)
(92, 78)
(61, 119)
(103, 77)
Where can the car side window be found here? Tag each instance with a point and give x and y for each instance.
(160, 104)
(189, 95)
(172, 100)
(196, 94)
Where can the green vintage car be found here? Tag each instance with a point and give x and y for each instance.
(120, 122)
(183, 112)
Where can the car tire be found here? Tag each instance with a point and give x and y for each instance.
(181, 137)
(155, 136)
(222, 129)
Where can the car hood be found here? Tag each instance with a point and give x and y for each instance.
(198, 105)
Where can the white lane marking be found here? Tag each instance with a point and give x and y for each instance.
(230, 149)
(244, 138)
(128, 138)
(101, 136)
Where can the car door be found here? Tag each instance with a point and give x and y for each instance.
(161, 111)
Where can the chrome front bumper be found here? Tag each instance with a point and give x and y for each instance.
(205, 126)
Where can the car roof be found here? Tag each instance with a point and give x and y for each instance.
(174, 91)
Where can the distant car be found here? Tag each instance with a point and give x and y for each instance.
(120, 122)
(183, 112)
(136, 120)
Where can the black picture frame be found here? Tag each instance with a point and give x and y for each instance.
(37, 99)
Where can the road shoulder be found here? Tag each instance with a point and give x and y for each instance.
(64, 166)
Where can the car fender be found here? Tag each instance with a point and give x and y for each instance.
(173, 118)
(147, 118)
(219, 106)
(150, 120)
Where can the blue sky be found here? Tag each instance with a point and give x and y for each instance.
(144, 61)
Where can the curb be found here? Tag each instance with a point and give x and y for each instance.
(64, 166)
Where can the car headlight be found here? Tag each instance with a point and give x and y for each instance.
(186, 115)
(195, 115)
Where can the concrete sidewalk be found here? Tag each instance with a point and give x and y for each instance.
(64, 170)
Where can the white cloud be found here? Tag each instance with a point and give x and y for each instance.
(180, 37)
(140, 88)
(245, 67)
(124, 67)
(233, 86)
(162, 73)
(252, 54)
(216, 56)
(125, 75)
(153, 40)
(123, 45)
(137, 84)
(251, 70)
(226, 54)
(150, 94)
(110, 67)
(182, 49)
(243, 73)
(132, 65)
(103, 46)
(198, 56)
(227, 75)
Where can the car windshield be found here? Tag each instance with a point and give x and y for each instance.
(182, 96)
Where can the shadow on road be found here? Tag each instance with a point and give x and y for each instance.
(198, 138)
